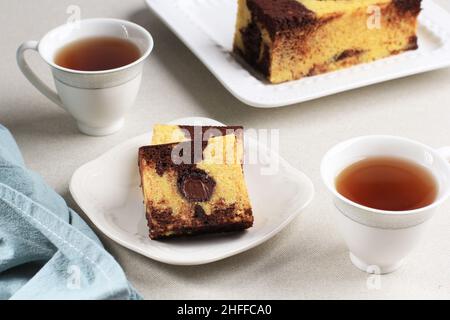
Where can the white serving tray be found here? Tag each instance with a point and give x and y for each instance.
(207, 28)
(107, 190)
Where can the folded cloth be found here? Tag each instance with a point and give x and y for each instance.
(46, 250)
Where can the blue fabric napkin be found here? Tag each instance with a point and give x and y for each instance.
(46, 250)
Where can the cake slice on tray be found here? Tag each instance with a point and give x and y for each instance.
(192, 188)
(290, 39)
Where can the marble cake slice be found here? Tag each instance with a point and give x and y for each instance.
(290, 39)
(200, 194)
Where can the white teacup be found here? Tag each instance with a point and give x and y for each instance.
(97, 100)
(379, 240)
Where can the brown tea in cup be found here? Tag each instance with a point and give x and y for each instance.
(388, 183)
(97, 54)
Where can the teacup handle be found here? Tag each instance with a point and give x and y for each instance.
(444, 152)
(31, 76)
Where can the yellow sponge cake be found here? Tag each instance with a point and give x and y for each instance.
(191, 191)
(291, 39)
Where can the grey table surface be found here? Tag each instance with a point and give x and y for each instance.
(308, 259)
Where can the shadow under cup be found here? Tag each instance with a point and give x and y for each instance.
(379, 240)
(98, 100)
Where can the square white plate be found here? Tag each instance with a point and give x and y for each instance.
(207, 28)
(107, 190)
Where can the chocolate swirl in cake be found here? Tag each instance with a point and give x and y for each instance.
(195, 185)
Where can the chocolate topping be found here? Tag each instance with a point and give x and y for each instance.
(195, 185)
(412, 6)
(277, 15)
(161, 155)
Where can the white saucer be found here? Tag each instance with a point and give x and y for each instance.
(107, 190)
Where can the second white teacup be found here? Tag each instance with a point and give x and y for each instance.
(379, 240)
(98, 100)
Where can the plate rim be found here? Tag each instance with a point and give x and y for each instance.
(441, 59)
(77, 175)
